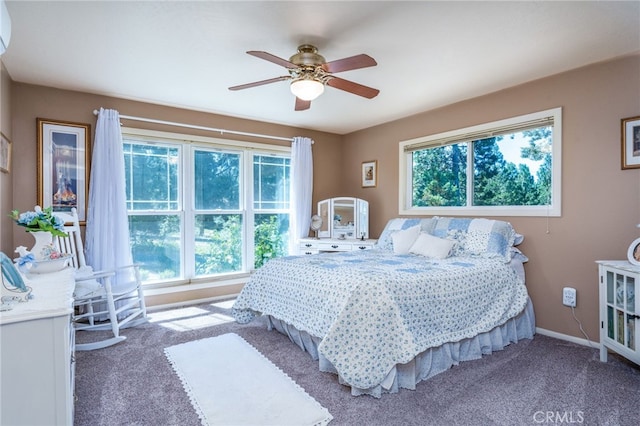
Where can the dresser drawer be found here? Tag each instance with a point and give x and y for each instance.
(306, 252)
(307, 245)
(312, 246)
(362, 246)
(335, 246)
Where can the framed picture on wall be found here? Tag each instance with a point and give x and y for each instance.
(5, 153)
(63, 165)
(369, 174)
(631, 143)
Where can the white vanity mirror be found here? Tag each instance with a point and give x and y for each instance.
(344, 218)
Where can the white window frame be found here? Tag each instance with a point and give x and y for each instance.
(187, 144)
(405, 181)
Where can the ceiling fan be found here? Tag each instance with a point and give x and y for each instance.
(309, 72)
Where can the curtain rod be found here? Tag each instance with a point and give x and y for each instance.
(192, 126)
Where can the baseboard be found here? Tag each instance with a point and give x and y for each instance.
(543, 331)
(179, 288)
(566, 337)
(189, 303)
(192, 293)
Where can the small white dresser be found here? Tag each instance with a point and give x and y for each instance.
(619, 309)
(313, 246)
(37, 355)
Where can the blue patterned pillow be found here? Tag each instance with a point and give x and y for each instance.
(385, 242)
(478, 237)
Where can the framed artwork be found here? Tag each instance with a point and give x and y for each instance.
(369, 174)
(5, 153)
(63, 166)
(631, 143)
(633, 254)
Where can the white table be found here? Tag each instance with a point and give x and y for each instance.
(36, 354)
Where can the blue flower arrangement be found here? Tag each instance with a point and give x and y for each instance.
(40, 220)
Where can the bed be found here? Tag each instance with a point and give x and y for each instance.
(432, 293)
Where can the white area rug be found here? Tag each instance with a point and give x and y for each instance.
(230, 383)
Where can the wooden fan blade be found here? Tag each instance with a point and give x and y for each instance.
(272, 58)
(351, 63)
(302, 105)
(260, 83)
(351, 87)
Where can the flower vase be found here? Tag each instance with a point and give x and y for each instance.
(44, 240)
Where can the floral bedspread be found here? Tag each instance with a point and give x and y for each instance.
(374, 309)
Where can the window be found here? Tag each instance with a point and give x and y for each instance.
(505, 168)
(271, 207)
(202, 208)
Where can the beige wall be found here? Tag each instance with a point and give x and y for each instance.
(601, 202)
(31, 102)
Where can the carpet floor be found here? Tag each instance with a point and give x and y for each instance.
(538, 381)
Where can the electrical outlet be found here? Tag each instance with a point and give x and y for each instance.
(569, 297)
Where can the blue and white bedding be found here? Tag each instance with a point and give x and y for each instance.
(375, 309)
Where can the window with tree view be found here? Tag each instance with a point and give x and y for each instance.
(504, 168)
(198, 211)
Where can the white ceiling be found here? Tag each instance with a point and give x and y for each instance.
(429, 54)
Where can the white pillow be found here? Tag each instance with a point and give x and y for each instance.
(429, 246)
(403, 240)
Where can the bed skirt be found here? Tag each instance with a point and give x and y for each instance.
(428, 363)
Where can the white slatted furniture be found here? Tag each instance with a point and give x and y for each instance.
(619, 309)
(98, 305)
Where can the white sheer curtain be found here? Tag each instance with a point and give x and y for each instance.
(301, 190)
(107, 234)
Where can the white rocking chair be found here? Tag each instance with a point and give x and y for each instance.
(97, 305)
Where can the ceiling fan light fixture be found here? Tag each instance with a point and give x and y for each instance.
(309, 72)
(307, 89)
